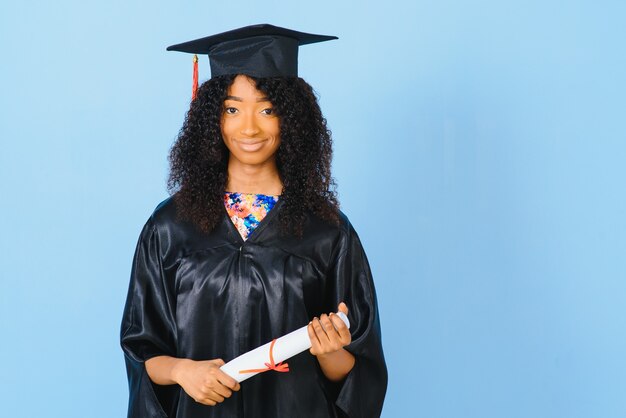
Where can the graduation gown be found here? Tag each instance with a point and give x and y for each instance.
(213, 295)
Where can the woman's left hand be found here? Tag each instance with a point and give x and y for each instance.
(329, 334)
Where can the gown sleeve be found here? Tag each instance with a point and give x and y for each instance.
(363, 390)
(148, 328)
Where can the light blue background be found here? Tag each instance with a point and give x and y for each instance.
(479, 151)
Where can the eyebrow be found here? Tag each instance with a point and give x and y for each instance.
(239, 99)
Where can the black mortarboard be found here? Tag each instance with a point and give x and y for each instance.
(258, 50)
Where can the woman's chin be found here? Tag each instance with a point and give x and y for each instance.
(253, 158)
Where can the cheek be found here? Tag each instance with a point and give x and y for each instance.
(274, 130)
(227, 130)
(277, 140)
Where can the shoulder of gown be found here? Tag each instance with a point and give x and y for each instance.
(179, 238)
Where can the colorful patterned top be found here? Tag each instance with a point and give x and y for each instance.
(247, 210)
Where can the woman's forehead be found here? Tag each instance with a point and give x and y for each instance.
(243, 88)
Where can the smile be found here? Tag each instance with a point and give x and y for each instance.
(251, 146)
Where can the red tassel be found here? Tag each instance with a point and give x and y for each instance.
(194, 89)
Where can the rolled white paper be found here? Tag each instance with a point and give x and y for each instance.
(285, 347)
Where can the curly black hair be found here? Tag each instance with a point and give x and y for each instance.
(199, 158)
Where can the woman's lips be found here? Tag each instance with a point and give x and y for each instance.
(251, 146)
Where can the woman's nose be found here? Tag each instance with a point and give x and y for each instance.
(250, 126)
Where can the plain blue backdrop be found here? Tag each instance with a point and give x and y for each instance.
(479, 150)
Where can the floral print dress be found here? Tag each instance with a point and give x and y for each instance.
(247, 210)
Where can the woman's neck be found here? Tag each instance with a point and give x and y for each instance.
(259, 178)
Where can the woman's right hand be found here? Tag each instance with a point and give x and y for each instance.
(204, 381)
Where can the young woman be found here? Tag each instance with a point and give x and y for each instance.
(250, 246)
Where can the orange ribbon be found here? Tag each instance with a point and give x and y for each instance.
(280, 367)
(194, 88)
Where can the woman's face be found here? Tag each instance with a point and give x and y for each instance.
(250, 127)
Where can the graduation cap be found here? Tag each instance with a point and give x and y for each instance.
(259, 51)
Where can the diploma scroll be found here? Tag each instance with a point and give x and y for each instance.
(270, 356)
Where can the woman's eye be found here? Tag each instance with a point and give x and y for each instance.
(268, 111)
(230, 110)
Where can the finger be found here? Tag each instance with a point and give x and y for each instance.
(206, 396)
(218, 362)
(317, 326)
(206, 401)
(334, 338)
(338, 323)
(342, 329)
(222, 377)
(226, 380)
(220, 391)
(315, 342)
(343, 308)
(214, 396)
(328, 326)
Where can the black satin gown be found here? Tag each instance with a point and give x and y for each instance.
(204, 296)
